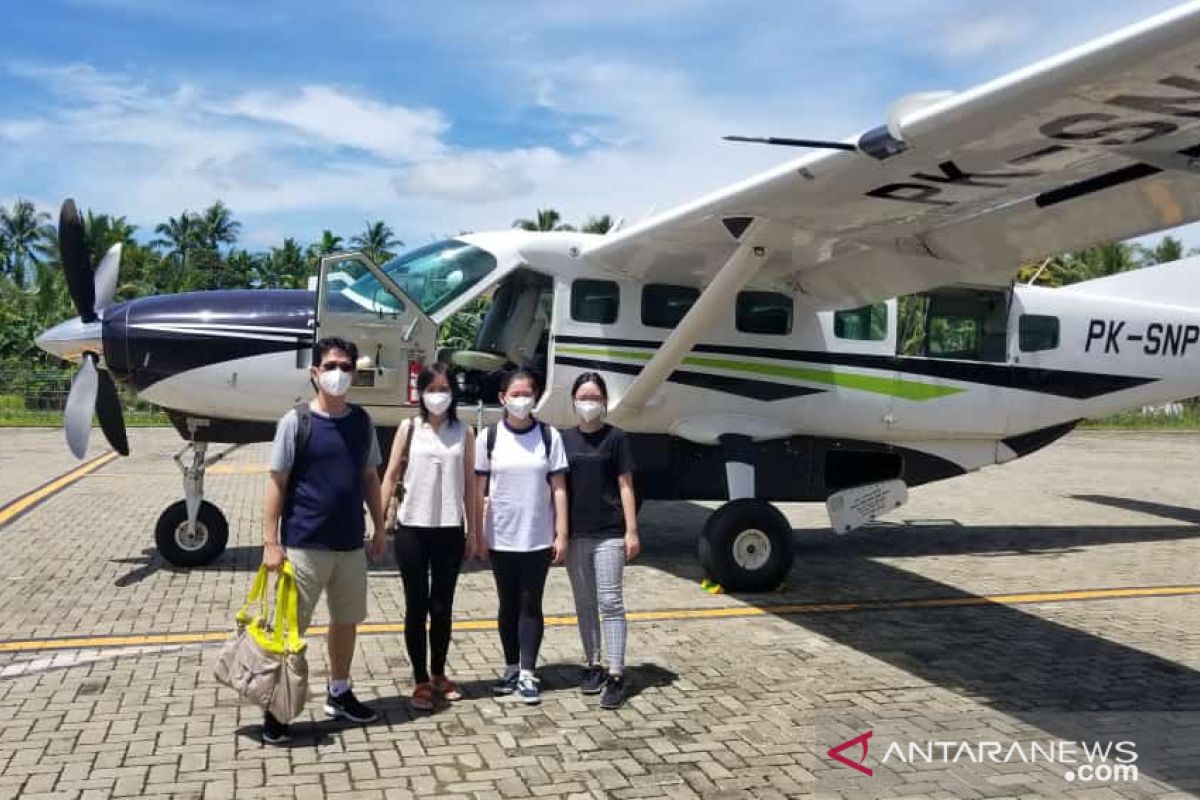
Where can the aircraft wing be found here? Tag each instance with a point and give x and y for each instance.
(1099, 143)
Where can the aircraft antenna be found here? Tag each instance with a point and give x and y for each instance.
(819, 144)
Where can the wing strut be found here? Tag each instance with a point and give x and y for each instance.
(713, 302)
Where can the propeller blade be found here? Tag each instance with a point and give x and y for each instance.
(107, 272)
(108, 409)
(77, 418)
(72, 246)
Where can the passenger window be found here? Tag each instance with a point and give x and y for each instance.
(664, 305)
(764, 312)
(865, 324)
(1037, 332)
(595, 301)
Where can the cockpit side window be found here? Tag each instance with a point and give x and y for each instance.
(432, 276)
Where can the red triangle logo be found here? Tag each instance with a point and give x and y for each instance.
(836, 752)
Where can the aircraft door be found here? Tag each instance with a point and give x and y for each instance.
(952, 364)
(359, 302)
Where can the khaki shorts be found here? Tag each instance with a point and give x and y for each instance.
(341, 574)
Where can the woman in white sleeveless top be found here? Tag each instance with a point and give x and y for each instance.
(433, 455)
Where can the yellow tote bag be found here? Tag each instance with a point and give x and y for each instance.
(264, 661)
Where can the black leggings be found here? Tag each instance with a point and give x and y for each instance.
(520, 582)
(429, 560)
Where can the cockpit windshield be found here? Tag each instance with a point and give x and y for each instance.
(433, 275)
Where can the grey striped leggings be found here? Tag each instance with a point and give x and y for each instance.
(596, 567)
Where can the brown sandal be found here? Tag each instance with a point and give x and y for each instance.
(446, 688)
(422, 697)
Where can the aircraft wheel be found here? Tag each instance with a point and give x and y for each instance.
(746, 546)
(183, 550)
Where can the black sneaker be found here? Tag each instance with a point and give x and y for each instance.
(614, 692)
(506, 685)
(593, 680)
(528, 689)
(274, 731)
(348, 706)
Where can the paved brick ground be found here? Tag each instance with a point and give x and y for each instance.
(737, 707)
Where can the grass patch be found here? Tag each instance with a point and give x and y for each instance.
(1188, 420)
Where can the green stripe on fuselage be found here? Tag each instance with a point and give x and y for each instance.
(894, 387)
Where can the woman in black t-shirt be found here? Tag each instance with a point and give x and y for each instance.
(604, 535)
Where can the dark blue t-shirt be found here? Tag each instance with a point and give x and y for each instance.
(323, 509)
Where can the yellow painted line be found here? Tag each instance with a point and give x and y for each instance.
(238, 469)
(44, 492)
(665, 615)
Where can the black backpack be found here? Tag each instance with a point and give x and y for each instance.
(490, 445)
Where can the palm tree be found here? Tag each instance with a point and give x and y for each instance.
(600, 224)
(1168, 250)
(327, 244)
(547, 220)
(102, 231)
(24, 230)
(180, 235)
(377, 241)
(284, 268)
(217, 226)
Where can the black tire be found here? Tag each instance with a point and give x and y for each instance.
(757, 561)
(212, 534)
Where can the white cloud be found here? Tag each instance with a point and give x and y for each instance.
(977, 36)
(343, 119)
(479, 177)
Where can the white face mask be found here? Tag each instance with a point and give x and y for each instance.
(334, 382)
(437, 402)
(519, 407)
(589, 410)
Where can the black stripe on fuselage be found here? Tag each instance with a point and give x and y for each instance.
(742, 387)
(1060, 383)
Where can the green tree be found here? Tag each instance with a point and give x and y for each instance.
(24, 231)
(179, 236)
(216, 226)
(377, 241)
(284, 268)
(1167, 250)
(546, 219)
(600, 224)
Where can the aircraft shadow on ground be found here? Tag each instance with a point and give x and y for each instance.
(1068, 683)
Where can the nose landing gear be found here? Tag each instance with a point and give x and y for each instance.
(193, 532)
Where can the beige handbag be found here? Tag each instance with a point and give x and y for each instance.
(265, 663)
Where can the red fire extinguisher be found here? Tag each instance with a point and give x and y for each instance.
(414, 369)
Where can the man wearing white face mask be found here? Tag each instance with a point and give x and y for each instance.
(323, 469)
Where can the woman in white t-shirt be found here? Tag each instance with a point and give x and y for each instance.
(521, 496)
(434, 455)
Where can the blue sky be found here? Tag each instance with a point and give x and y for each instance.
(442, 117)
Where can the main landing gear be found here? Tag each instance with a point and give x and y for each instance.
(193, 532)
(746, 545)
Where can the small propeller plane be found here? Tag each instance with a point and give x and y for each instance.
(751, 339)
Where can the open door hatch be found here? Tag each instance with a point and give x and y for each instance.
(356, 300)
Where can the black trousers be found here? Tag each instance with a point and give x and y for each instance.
(520, 583)
(429, 560)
